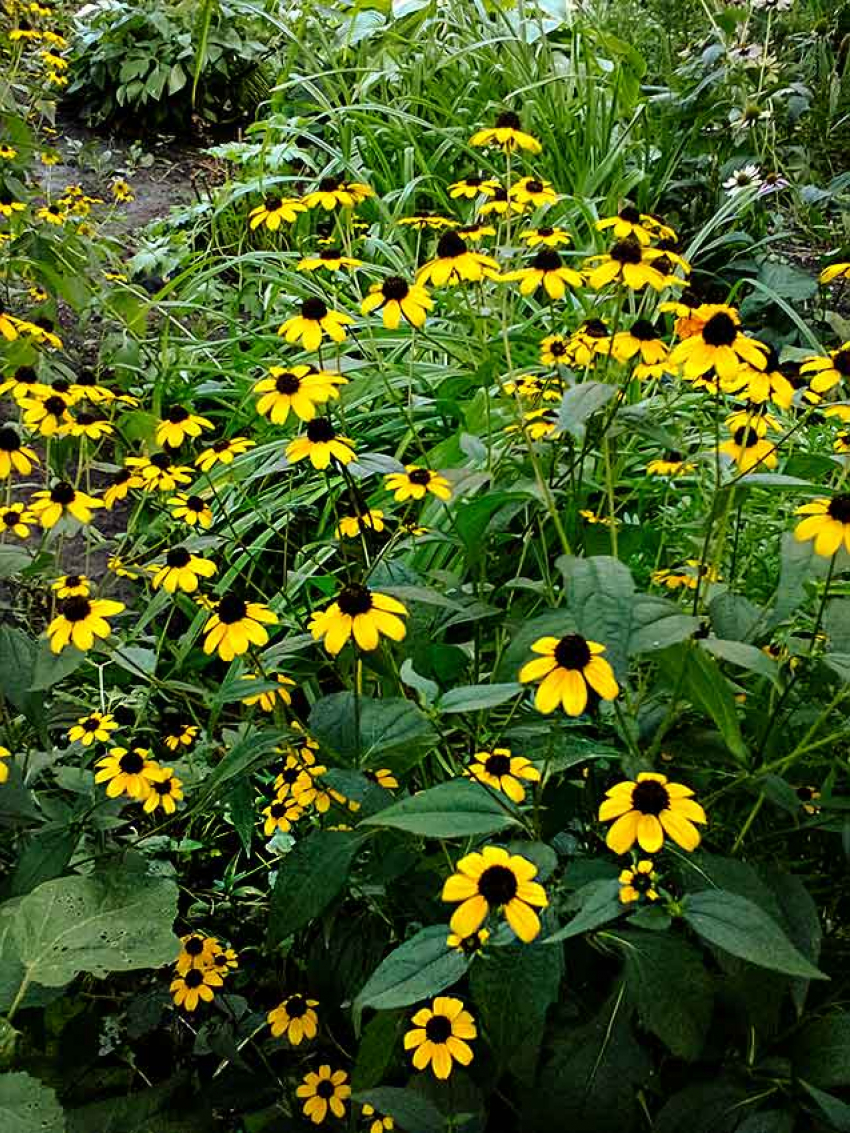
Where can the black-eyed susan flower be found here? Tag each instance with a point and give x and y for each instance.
(295, 778)
(62, 499)
(37, 294)
(756, 416)
(553, 350)
(332, 192)
(181, 570)
(7, 152)
(642, 339)
(808, 797)
(41, 330)
(80, 621)
(749, 449)
(455, 263)
(5, 756)
(299, 389)
(672, 463)
(360, 614)
(320, 443)
(16, 520)
(52, 214)
(827, 522)
(223, 452)
(547, 237)
(196, 951)
(531, 387)
(501, 203)
(197, 985)
(166, 791)
(296, 1018)
(71, 586)
(350, 526)
(629, 222)
(398, 299)
(587, 343)
(546, 270)
(422, 220)
(758, 386)
(274, 211)
(23, 384)
(121, 569)
(629, 263)
(87, 425)
(492, 880)
(158, 472)
(95, 726)
(225, 961)
(503, 772)
(119, 487)
(377, 1122)
(268, 698)
(8, 325)
(473, 186)
(176, 732)
(834, 271)
(685, 576)
(329, 259)
(568, 667)
(127, 771)
(121, 191)
(469, 945)
(178, 425)
(533, 191)
(440, 1036)
(536, 424)
(280, 815)
(826, 371)
(475, 232)
(235, 626)
(193, 510)
(415, 482)
(718, 344)
(314, 323)
(638, 883)
(326, 1090)
(49, 416)
(646, 810)
(382, 777)
(9, 206)
(507, 133)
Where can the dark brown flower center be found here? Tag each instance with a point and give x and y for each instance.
(627, 252)
(471, 944)
(11, 518)
(91, 724)
(9, 439)
(331, 254)
(55, 405)
(221, 446)
(160, 460)
(395, 288)
(593, 328)
(177, 414)
(290, 775)
(131, 763)
(296, 1006)
(277, 810)
(194, 946)
(287, 383)
(272, 202)
(839, 508)
(841, 362)
(746, 437)
(60, 385)
(320, 430)
(545, 231)
(497, 885)
(85, 419)
(195, 503)
(193, 978)
(325, 1089)
(720, 330)
(26, 375)
(641, 882)
(547, 259)
(572, 652)
(497, 765)
(164, 787)
(508, 120)
(73, 580)
(533, 186)
(650, 797)
(122, 476)
(231, 609)
(643, 330)
(438, 1029)
(630, 214)
(450, 246)
(354, 600)
(62, 493)
(558, 348)
(76, 608)
(805, 794)
(329, 184)
(314, 309)
(421, 476)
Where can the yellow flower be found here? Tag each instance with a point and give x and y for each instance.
(547, 271)
(95, 726)
(468, 945)
(280, 815)
(455, 263)
(628, 263)
(397, 299)
(7, 152)
(181, 571)
(269, 698)
(127, 771)
(672, 464)
(494, 879)
(71, 586)
(533, 191)
(62, 499)
(718, 343)
(568, 668)
(415, 482)
(646, 810)
(638, 882)
(325, 1090)
(507, 133)
(156, 473)
(196, 985)
(473, 186)
(299, 388)
(15, 520)
(274, 211)
(193, 510)
(350, 526)
(121, 191)
(361, 614)
(383, 777)
(329, 259)
(501, 203)
(834, 271)
(49, 415)
(642, 339)
(315, 321)
(827, 522)
(630, 223)
(320, 443)
(53, 213)
(548, 237)
(87, 425)
(179, 424)
(438, 1036)
(503, 772)
(380, 1124)
(223, 452)
(295, 1018)
(166, 791)
(80, 621)
(235, 626)
(422, 220)
(333, 192)
(4, 766)
(749, 450)
(828, 370)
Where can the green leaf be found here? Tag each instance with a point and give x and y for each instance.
(798, 565)
(667, 981)
(743, 656)
(599, 903)
(580, 403)
(658, 623)
(421, 967)
(410, 1110)
(13, 560)
(471, 698)
(51, 668)
(708, 1107)
(701, 681)
(378, 1046)
(251, 750)
(800, 918)
(821, 1051)
(28, 1106)
(740, 927)
(734, 617)
(17, 658)
(310, 877)
(450, 810)
(834, 1110)
(394, 733)
(768, 1121)
(836, 624)
(600, 596)
(44, 856)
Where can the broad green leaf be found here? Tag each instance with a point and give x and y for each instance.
(801, 920)
(44, 856)
(580, 403)
(28, 1106)
(833, 1109)
(169, 1107)
(734, 617)
(658, 622)
(707, 1107)
(51, 668)
(471, 698)
(743, 656)
(251, 750)
(836, 624)
(450, 810)
(600, 596)
(421, 967)
(700, 680)
(410, 1110)
(821, 1051)
(310, 877)
(393, 732)
(599, 903)
(13, 560)
(738, 926)
(378, 1045)
(799, 565)
(17, 659)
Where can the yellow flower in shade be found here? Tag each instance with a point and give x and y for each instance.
(315, 321)
(157, 473)
(501, 203)
(827, 371)
(475, 231)
(568, 668)
(755, 416)
(127, 771)
(473, 186)
(455, 263)
(223, 452)
(827, 522)
(24, 384)
(62, 500)
(469, 945)
(50, 158)
(196, 985)
(280, 815)
(40, 331)
(749, 450)
(628, 263)
(296, 1018)
(531, 387)
(439, 1036)
(329, 259)
(808, 797)
(638, 882)
(350, 526)
(80, 621)
(641, 339)
(193, 510)
(553, 350)
(176, 733)
(320, 443)
(8, 206)
(647, 810)
(8, 325)
(383, 777)
(533, 191)
(630, 222)
(686, 576)
(359, 614)
(422, 220)
(536, 424)
(759, 386)
(89, 426)
(119, 487)
(166, 792)
(718, 343)
(332, 193)
(15, 520)
(299, 388)
(415, 482)
(196, 951)
(503, 772)
(671, 464)
(225, 960)
(588, 343)
(235, 626)
(494, 879)
(37, 294)
(269, 698)
(7, 152)
(71, 586)
(95, 726)
(507, 133)
(397, 299)
(377, 1124)
(49, 417)
(547, 237)
(274, 211)
(4, 766)
(841, 444)
(834, 271)
(121, 569)
(53, 214)
(181, 571)
(121, 191)
(179, 424)
(322, 1091)
(546, 271)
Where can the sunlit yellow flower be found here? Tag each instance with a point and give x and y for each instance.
(438, 1036)
(671, 464)
(546, 270)
(274, 211)
(569, 667)
(533, 191)
(749, 450)
(178, 424)
(71, 586)
(507, 133)
(648, 809)
(827, 522)
(420, 221)
(16, 520)
(455, 263)
(827, 371)
(629, 222)
(350, 526)
(80, 621)
(473, 186)
(415, 482)
(165, 793)
(127, 771)
(548, 237)
(397, 299)
(49, 416)
(315, 321)
(95, 726)
(642, 339)
(332, 193)
(834, 271)
(51, 505)
(53, 214)
(718, 343)
(181, 571)
(156, 473)
(223, 452)
(15, 456)
(193, 510)
(235, 626)
(329, 259)
(299, 388)
(359, 614)
(320, 443)
(503, 772)
(491, 880)
(629, 263)
(502, 204)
